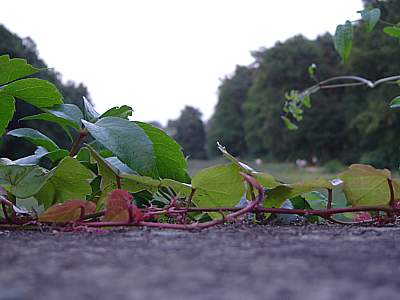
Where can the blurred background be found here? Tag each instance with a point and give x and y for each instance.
(208, 71)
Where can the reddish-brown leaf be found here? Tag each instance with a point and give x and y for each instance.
(118, 205)
(68, 211)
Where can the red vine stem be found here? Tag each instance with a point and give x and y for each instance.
(82, 135)
(189, 200)
(4, 202)
(392, 200)
(324, 213)
(329, 204)
(189, 203)
(118, 180)
(230, 217)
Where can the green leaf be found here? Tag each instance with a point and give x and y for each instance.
(365, 185)
(127, 141)
(33, 159)
(51, 118)
(7, 104)
(40, 153)
(266, 180)
(120, 166)
(83, 155)
(69, 180)
(393, 31)
(276, 196)
(57, 154)
(242, 166)
(69, 112)
(317, 200)
(130, 182)
(220, 185)
(395, 103)
(16, 68)
(311, 70)
(168, 155)
(137, 183)
(182, 189)
(65, 115)
(370, 17)
(35, 137)
(289, 125)
(38, 92)
(343, 40)
(106, 170)
(123, 112)
(300, 202)
(22, 181)
(89, 113)
(307, 100)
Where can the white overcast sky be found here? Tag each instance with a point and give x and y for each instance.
(159, 55)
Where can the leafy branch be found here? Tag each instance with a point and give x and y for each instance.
(296, 101)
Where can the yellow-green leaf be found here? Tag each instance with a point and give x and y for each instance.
(365, 185)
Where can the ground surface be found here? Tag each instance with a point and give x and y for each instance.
(297, 262)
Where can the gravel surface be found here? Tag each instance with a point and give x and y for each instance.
(233, 262)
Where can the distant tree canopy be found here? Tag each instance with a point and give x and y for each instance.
(26, 48)
(227, 125)
(351, 125)
(189, 131)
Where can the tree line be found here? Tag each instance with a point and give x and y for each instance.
(25, 48)
(348, 124)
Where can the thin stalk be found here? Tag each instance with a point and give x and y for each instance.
(118, 181)
(189, 203)
(330, 196)
(358, 81)
(4, 203)
(391, 190)
(334, 86)
(189, 199)
(75, 146)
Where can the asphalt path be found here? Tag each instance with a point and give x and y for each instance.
(229, 262)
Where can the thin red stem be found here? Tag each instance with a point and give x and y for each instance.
(329, 204)
(189, 203)
(189, 199)
(118, 180)
(392, 200)
(4, 203)
(74, 149)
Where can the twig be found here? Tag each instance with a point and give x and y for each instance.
(82, 135)
(329, 204)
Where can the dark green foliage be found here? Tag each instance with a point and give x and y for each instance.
(226, 125)
(190, 133)
(72, 93)
(352, 124)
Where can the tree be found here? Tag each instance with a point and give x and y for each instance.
(190, 133)
(26, 48)
(226, 125)
(351, 125)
